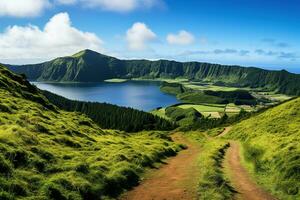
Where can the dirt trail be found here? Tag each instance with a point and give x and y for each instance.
(240, 179)
(174, 181)
(226, 130)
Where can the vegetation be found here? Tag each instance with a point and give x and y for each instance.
(172, 88)
(271, 148)
(89, 66)
(183, 117)
(47, 153)
(213, 184)
(115, 80)
(112, 117)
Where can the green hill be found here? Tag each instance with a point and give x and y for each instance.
(271, 148)
(47, 153)
(90, 66)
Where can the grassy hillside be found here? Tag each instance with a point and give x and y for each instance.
(47, 153)
(89, 66)
(271, 148)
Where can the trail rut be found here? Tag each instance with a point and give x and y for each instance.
(247, 189)
(177, 180)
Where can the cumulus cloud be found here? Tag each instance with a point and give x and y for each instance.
(23, 8)
(115, 5)
(181, 38)
(57, 38)
(138, 36)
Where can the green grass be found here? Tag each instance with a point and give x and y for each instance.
(213, 184)
(46, 153)
(271, 148)
(198, 98)
(204, 108)
(197, 86)
(161, 112)
(116, 80)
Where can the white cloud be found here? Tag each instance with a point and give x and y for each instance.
(181, 38)
(22, 8)
(58, 38)
(114, 5)
(138, 36)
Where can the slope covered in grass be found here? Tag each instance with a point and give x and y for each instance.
(46, 153)
(271, 148)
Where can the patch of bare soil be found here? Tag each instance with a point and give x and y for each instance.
(177, 180)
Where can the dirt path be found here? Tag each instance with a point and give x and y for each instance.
(240, 179)
(226, 130)
(174, 181)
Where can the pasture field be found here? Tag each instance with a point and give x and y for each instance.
(161, 113)
(116, 80)
(204, 107)
(199, 86)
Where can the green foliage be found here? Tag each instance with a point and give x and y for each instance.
(89, 66)
(183, 117)
(47, 153)
(238, 97)
(172, 88)
(112, 117)
(199, 97)
(271, 148)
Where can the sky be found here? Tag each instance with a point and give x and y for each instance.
(236, 32)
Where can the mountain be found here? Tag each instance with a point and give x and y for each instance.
(271, 148)
(90, 66)
(48, 153)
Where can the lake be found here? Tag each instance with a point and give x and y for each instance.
(142, 95)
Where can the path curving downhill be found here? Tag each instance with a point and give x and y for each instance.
(246, 188)
(177, 180)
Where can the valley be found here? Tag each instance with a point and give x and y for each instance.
(149, 100)
(146, 138)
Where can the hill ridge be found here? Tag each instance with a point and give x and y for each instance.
(91, 66)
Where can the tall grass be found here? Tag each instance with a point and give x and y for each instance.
(271, 148)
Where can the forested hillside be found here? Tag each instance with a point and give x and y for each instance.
(47, 153)
(89, 66)
(112, 117)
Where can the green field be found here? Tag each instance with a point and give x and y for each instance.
(205, 107)
(197, 86)
(116, 80)
(161, 113)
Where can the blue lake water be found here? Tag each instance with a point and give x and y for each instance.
(142, 95)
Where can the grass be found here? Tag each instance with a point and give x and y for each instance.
(197, 86)
(116, 80)
(204, 107)
(46, 153)
(161, 112)
(271, 148)
(213, 184)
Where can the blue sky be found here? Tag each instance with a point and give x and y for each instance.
(243, 32)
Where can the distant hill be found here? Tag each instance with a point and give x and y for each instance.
(271, 148)
(90, 66)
